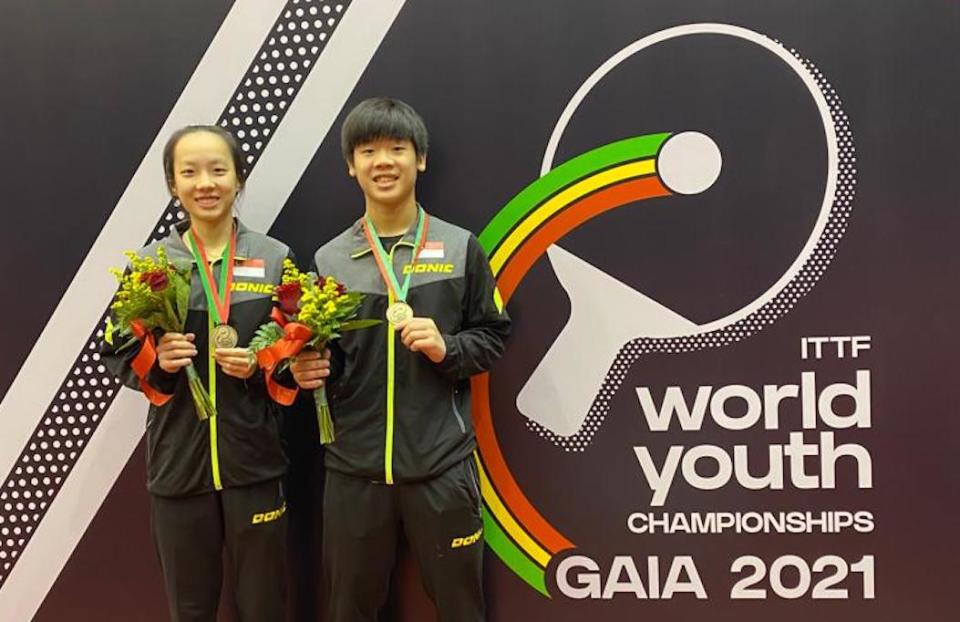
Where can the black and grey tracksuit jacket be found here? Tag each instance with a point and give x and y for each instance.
(428, 427)
(241, 445)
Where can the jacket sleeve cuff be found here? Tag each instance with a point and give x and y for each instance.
(255, 379)
(161, 380)
(450, 365)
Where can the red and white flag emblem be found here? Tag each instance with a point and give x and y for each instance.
(250, 268)
(432, 250)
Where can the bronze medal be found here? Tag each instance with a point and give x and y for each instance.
(222, 335)
(225, 336)
(399, 312)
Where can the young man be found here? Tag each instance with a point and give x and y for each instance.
(399, 392)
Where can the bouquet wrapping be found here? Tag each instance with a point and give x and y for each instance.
(311, 312)
(154, 294)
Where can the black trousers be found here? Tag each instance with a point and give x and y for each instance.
(190, 534)
(441, 520)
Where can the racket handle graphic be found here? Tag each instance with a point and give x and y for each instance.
(604, 315)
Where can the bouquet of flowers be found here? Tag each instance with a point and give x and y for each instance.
(154, 293)
(312, 311)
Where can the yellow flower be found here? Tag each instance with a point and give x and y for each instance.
(290, 272)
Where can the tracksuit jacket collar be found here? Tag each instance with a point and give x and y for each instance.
(361, 247)
(179, 251)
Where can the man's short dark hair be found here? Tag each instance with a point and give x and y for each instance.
(382, 117)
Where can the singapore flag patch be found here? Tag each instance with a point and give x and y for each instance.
(432, 250)
(250, 268)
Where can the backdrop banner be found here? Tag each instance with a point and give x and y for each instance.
(724, 231)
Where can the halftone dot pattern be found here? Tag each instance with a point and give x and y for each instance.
(255, 110)
(781, 304)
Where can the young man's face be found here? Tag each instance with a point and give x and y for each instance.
(386, 170)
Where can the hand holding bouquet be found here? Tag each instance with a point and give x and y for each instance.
(312, 311)
(154, 294)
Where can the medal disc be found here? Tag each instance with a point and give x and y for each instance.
(399, 312)
(225, 336)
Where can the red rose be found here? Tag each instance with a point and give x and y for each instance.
(156, 279)
(341, 289)
(288, 295)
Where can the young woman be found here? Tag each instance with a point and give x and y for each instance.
(215, 483)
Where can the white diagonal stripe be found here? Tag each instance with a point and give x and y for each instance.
(140, 207)
(302, 130)
(313, 112)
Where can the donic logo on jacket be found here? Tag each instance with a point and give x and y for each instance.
(693, 192)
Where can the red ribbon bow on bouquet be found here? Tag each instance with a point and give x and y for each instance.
(295, 336)
(143, 362)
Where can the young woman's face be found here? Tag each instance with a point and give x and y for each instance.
(204, 178)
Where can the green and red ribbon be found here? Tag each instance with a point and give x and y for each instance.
(217, 302)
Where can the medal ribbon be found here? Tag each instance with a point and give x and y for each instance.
(383, 258)
(217, 302)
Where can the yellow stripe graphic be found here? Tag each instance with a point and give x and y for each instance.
(556, 203)
(507, 521)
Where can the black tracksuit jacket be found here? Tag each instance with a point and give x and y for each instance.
(241, 445)
(430, 427)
